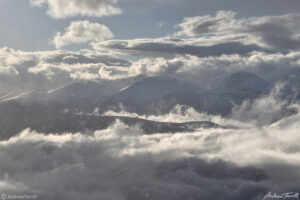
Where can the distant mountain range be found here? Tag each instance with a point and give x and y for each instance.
(69, 107)
(156, 95)
(147, 95)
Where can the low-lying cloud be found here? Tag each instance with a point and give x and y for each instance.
(123, 163)
(258, 112)
(50, 69)
(24, 71)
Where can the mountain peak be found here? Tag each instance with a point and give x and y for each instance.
(247, 82)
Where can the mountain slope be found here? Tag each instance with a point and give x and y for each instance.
(157, 95)
(15, 117)
(86, 92)
(151, 88)
(247, 83)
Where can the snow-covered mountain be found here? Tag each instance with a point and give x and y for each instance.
(79, 93)
(156, 95)
(58, 110)
(86, 92)
(29, 97)
(151, 88)
(147, 95)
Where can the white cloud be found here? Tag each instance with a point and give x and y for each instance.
(208, 70)
(71, 8)
(50, 69)
(149, 67)
(81, 32)
(123, 163)
(266, 109)
(23, 71)
(216, 35)
(276, 32)
(223, 22)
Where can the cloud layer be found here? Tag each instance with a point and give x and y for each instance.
(276, 32)
(224, 33)
(38, 70)
(123, 163)
(26, 71)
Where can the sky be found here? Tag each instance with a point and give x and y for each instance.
(25, 26)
